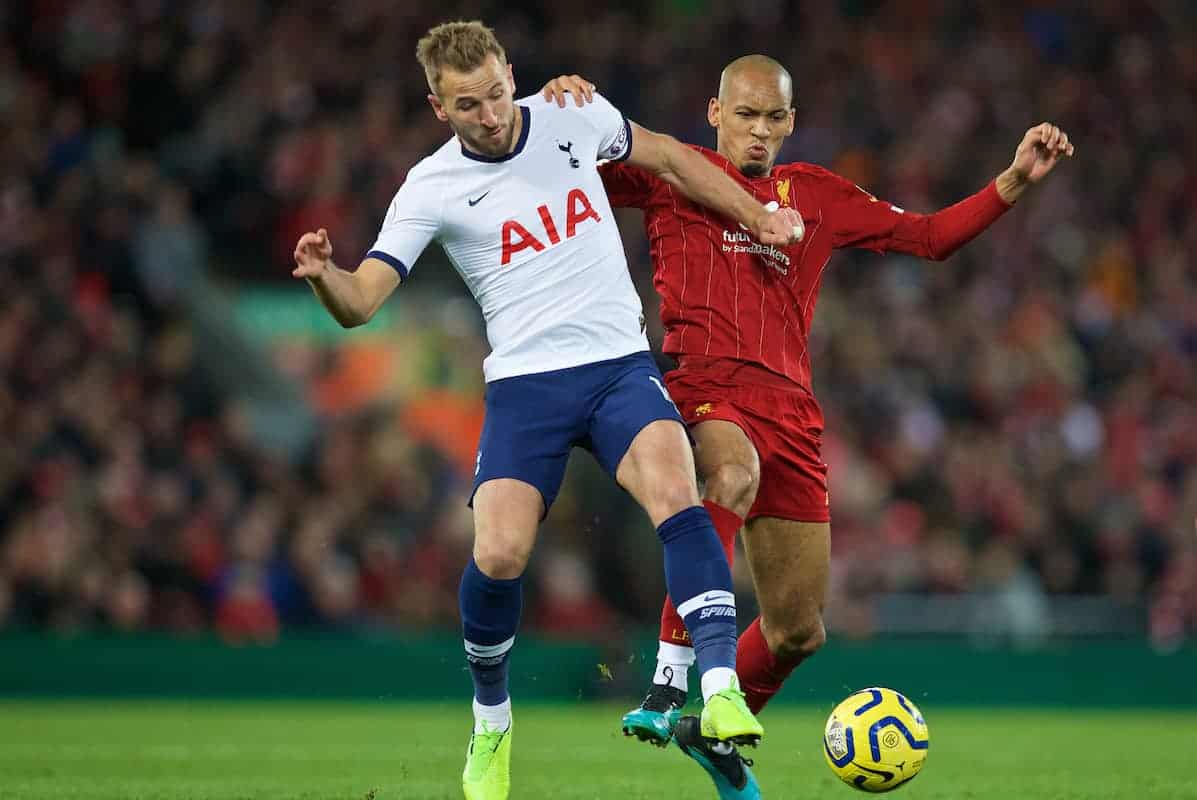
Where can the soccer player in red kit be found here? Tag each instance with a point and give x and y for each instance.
(737, 315)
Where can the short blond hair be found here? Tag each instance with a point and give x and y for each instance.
(460, 46)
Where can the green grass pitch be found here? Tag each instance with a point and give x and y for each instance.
(393, 751)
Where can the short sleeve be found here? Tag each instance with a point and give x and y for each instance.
(412, 221)
(613, 128)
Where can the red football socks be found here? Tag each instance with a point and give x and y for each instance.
(761, 673)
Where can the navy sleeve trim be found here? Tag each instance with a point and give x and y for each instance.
(627, 132)
(399, 266)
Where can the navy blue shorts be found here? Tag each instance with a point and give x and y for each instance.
(532, 421)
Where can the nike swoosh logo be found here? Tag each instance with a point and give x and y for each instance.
(477, 199)
(711, 597)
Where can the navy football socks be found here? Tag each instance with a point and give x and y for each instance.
(490, 615)
(699, 581)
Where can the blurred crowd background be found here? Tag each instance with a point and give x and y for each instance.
(1016, 426)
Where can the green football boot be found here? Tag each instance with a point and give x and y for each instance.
(487, 774)
(653, 720)
(726, 718)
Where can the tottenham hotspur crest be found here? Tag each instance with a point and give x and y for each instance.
(566, 148)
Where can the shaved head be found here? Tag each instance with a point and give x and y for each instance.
(756, 69)
(753, 113)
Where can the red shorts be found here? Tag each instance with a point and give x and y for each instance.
(782, 420)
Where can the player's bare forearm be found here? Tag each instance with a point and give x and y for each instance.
(706, 184)
(694, 176)
(339, 292)
(939, 235)
(351, 297)
(1010, 186)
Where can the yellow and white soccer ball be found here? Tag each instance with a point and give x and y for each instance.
(875, 740)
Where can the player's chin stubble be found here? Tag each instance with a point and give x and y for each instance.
(754, 169)
(484, 144)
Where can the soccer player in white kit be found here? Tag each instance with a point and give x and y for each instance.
(516, 201)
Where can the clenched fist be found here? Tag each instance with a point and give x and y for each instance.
(780, 228)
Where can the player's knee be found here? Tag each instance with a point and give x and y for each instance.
(733, 486)
(500, 560)
(797, 640)
(672, 491)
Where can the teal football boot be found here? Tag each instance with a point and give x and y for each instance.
(653, 720)
(729, 770)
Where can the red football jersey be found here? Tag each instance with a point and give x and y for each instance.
(724, 294)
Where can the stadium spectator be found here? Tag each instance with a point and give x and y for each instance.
(1031, 399)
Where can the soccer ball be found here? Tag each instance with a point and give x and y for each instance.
(875, 740)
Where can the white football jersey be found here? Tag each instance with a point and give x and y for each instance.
(532, 235)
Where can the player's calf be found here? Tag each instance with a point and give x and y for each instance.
(795, 640)
(697, 571)
(658, 471)
(765, 657)
(698, 576)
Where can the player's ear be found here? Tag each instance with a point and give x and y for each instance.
(511, 79)
(793, 118)
(713, 112)
(437, 107)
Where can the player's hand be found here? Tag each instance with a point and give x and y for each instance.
(1039, 151)
(579, 87)
(313, 254)
(780, 228)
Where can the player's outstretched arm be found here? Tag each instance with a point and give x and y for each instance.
(862, 221)
(707, 185)
(1040, 150)
(351, 297)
